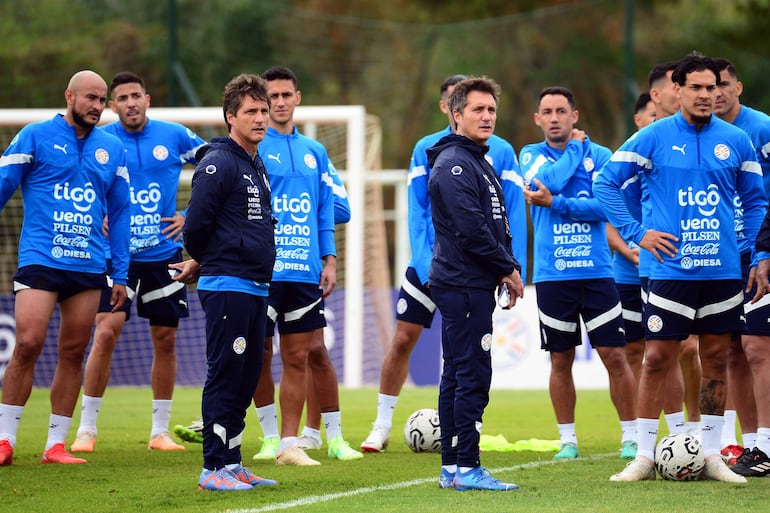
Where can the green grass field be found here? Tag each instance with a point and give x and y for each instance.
(122, 476)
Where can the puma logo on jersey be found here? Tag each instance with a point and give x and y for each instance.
(679, 148)
(277, 158)
(62, 148)
(248, 177)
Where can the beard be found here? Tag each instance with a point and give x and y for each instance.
(81, 120)
(700, 120)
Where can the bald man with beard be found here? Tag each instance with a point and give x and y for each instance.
(71, 177)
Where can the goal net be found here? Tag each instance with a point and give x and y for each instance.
(359, 310)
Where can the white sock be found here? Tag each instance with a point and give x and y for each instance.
(289, 441)
(763, 440)
(386, 405)
(309, 432)
(89, 410)
(452, 469)
(161, 414)
(567, 433)
(628, 427)
(728, 429)
(332, 421)
(749, 440)
(268, 419)
(711, 432)
(675, 422)
(10, 415)
(694, 428)
(58, 426)
(646, 437)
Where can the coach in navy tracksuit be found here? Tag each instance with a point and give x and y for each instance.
(471, 257)
(229, 232)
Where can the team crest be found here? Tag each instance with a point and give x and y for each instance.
(160, 152)
(486, 342)
(310, 161)
(239, 345)
(102, 156)
(526, 158)
(401, 306)
(588, 164)
(654, 323)
(722, 152)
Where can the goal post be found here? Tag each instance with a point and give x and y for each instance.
(355, 157)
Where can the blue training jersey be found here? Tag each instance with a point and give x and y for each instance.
(691, 177)
(303, 204)
(571, 235)
(502, 158)
(68, 186)
(155, 157)
(757, 125)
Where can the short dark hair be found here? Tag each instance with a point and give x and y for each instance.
(642, 101)
(279, 73)
(126, 77)
(724, 64)
(459, 97)
(558, 90)
(693, 62)
(238, 88)
(450, 81)
(660, 71)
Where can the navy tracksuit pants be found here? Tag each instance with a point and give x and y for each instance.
(235, 338)
(466, 340)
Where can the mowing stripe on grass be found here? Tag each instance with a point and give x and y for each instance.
(316, 499)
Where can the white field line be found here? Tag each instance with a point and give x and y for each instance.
(317, 499)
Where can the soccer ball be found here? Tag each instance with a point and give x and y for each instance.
(679, 457)
(422, 431)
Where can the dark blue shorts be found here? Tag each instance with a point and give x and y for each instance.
(677, 308)
(65, 283)
(158, 298)
(294, 307)
(562, 304)
(415, 304)
(631, 301)
(758, 314)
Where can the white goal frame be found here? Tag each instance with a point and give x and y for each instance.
(354, 116)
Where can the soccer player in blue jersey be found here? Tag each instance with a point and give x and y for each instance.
(305, 273)
(573, 269)
(415, 307)
(749, 356)
(229, 232)
(155, 153)
(72, 176)
(693, 164)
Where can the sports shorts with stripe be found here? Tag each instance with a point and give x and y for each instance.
(415, 304)
(758, 314)
(65, 283)
(677, 308)
(562, 304)
(158, 298)
(294, 307)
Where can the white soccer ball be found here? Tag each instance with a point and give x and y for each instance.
(422, 431)
(679, 457)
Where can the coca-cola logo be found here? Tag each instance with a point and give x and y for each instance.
(292, 254)
(583, 250)
(73, 242)
(711, 248)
